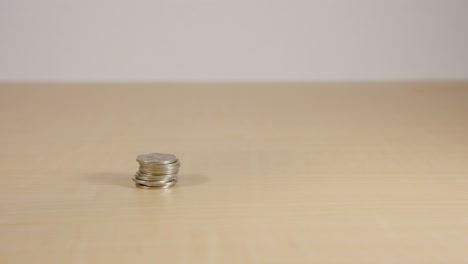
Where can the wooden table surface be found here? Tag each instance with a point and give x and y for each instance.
(271, 173)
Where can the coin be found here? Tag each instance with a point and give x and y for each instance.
(157, 170)
(151, 187)
(149, 177)
(156, 158)
(156, 165)
(151, 183)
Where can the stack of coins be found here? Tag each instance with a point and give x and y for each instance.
(157, 170)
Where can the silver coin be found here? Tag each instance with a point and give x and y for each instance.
(153, 183)
(167, 185)
(151, 172)
(149, 177)
(157, 170)
(146, 170)
(154, 188)
(162, 178)
(156, 158)
(156, 165)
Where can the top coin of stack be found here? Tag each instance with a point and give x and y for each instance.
(157, 170)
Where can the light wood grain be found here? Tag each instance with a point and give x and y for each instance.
(271, 173)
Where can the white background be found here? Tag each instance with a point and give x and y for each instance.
(233, 40)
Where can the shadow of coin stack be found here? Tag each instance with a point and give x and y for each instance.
(157, 170)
